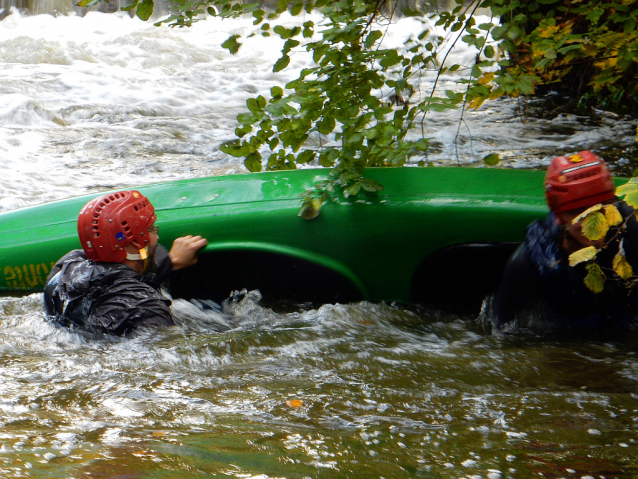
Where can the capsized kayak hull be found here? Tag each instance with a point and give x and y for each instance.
(417, 239)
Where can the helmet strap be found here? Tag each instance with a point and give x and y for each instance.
(142, 256)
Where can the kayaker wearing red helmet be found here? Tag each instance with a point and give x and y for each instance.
(539, 288)
(112, 284)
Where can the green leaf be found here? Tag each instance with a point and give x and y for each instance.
(253, 162)
(595, 226)
(629, 187)
(231, 44)
(370, 185)
(372, 38)
(390, 58)
(595, 279)
(492, 159)
(253, 105)
(145, 9)
(296, 9)
(281, 64)
(90, 3)
(352, 190)
(306, 156)
(632, 199)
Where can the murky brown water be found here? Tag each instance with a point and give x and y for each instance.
(360, 390)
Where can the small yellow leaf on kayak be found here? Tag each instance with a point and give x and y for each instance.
(595, 226)
(612, 215)
(595, 278)
(310, 208)
(621, 267)
(294, 402)
(582, 255)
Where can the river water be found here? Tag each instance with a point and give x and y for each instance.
(359, 390)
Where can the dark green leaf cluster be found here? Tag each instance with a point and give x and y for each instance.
(586, 49)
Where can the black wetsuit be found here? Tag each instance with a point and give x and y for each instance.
(107, 297)
(540, 289)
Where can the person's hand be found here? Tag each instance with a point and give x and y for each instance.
(183, 253)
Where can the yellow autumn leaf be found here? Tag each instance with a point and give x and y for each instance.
(549, 31)
(310, 208)
(612, 215)
(476, 103)
(595, 278)
(622, 267)
(595, 226)
(582, 255)
(607, 63)
(486, 78)
(294, 402)
(587, 212)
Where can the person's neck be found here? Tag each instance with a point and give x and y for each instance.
(136, 265)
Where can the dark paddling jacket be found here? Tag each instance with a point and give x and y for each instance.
(540, 290)
(107, 297)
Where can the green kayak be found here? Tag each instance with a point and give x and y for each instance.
(439, 236)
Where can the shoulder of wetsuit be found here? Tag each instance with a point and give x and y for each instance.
(127, 304)
(72, 256)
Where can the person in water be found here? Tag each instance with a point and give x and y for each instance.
(112, 284)
(539, 288)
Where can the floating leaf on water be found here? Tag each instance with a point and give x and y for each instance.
(294, 402)
(595, 226)
(582, 255)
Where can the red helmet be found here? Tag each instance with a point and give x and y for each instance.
(577, 181)
(108, 223)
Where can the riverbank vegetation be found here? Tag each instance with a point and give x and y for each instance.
(358, 102)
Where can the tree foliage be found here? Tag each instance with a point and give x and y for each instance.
(356, 105)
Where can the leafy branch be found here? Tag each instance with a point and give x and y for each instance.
(359, 104)
(605, 222)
